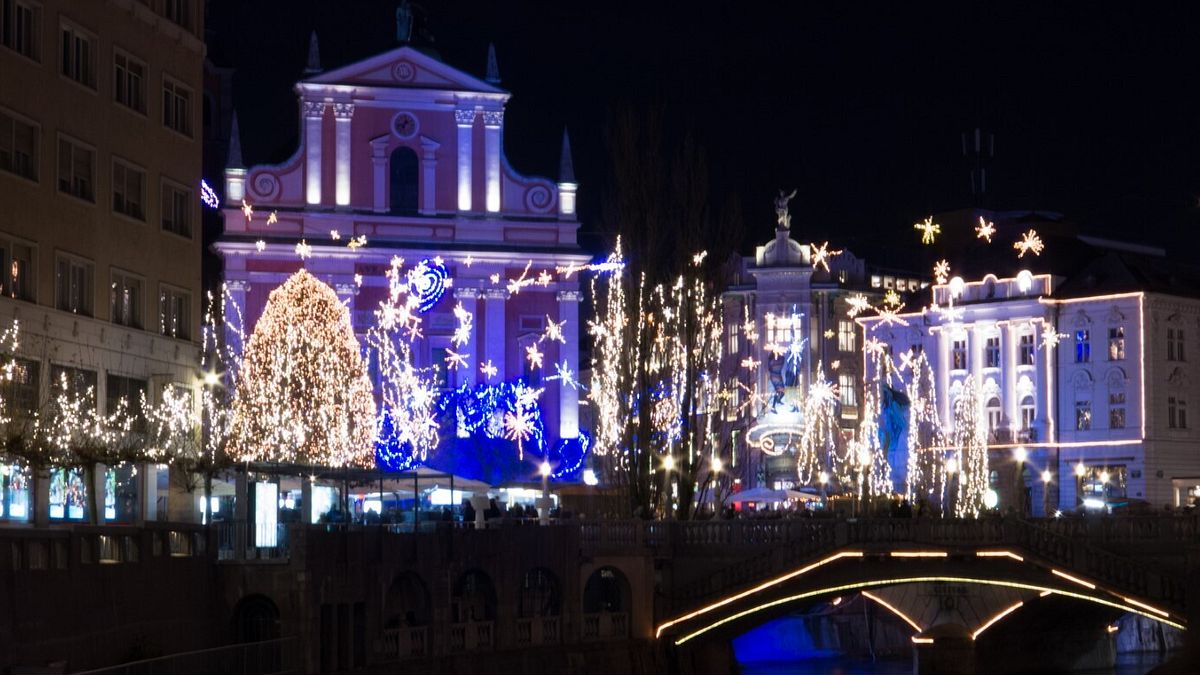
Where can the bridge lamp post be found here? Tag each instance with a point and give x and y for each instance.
(714, 466)
(1047, 477)
(823, 479)
(1080, 470)
(1020, 454)
(948, 492)
(544, 502)
(668, 465)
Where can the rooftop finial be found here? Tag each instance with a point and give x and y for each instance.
(566, 168)
(493, 67)
(314, 56)
(235, 146)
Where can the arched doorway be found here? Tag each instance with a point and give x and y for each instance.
(474, 598)
(607, 605)
(403, 181)
(255, 618)
(541, 594)
(407, 603)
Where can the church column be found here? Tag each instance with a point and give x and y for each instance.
(342, 113)
(429, 149)
(236, 288)
(314, 112)
(469, 298)
(465, 121)
(379, 174)
(943, 365)
(495, 345)
(492, 121)
(1009, 366)
(568, 396)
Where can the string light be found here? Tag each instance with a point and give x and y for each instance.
(208, 196)
(1029, 242)
(821, 255)
(941, 271)
(929, 230)
(272, 218)
(247, 211)
(985, 230)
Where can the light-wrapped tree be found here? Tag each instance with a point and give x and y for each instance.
(303, 395)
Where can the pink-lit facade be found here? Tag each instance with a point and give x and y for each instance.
(408, 152)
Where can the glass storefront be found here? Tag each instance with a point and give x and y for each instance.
(15, 493)
(68, 497)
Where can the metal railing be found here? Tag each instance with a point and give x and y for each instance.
(269, 657)
(252, 541)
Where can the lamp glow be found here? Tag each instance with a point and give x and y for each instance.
(668, 463)
(1020, 454)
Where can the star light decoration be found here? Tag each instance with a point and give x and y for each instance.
(821, 255)
(533, 356)
(1029, 242)
(303, 249)
(985, 229)
(929, 230)
(247, 211)
(857, 303)
(1051, 337)
(941, 271)
(488, 369)
(272, 218)
(357, 242)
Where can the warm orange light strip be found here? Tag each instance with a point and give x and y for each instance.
(1044, 594)
(1064, 444)
(919, 554)
(1003, 613)
(999, 554)
(762, 586)
(1143, 605)
(1077, 580)
(921, 641)
(894, 610)
(1091, 298)
(1142, 359)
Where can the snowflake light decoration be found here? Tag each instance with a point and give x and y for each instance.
(929, 230)
(563, 373)
(303, 249)
(554, 331)
(858, 304)
(455, 360)
(941, 271)
(1051, 337)
(821, 255)
(488, 369)
(534, 356)
(260, 245)
(357, 242)
(247, 211)
(208, 196)
(335, 235)
(750, 363)
(1029, 242)
(985, 230)
(272, 218)
(462, 332)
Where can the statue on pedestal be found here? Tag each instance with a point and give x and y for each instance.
(783, 219)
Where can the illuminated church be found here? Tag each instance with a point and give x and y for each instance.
(402, 155)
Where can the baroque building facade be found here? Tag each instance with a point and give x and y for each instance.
(1084, 379)
(402, 155)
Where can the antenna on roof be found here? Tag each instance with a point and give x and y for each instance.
(493, 67)
(979, 147)
(314, 56)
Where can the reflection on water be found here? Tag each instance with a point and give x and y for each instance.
(1127, 664)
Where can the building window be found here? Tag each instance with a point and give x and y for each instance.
(1027, 349)
(992, 352)
(177, 110)
(129, 190)
(403, 181)
(958, 353)
(847, 389)
(18, 147)
(125, 300)
(1116, 343)
(1083, 415)
(733, 339)
(76, 169)
(21, 389)
(74, 382)
(1176, 412)
(1027, 413)
(173, 313)
(847, 336)
(73, 278)
(79, 56)
(178, 11)
(17, 271)
(1175, 344)
(176, 209)
(439, 368)
(1083, 346)
(1116, 410)
(128, 391)
(129, 81)
(994, 414)
(20, 28)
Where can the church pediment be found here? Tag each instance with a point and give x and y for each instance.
(405, 67)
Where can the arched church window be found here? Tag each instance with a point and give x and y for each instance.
(402, 183)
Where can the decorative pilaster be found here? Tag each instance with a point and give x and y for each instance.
(568, 396)
(1011, 337)
(429, 148)
(314, 112)
(342, 114)
(943, 375)
(493, 120)
(465, 121)
(379, 174)
(495, 346)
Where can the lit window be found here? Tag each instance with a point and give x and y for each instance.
(18, 147)
(847, 389)
(20, 28)
(79, 56)
(176, 207)
(994, 414)
(129, 81)
(1027, 413)
(1027, 349)
(177, 102)
(847, 336)
(1116, 410)
(1083, 346)
(129, 190)
(174, 318)
(1116, 344)
(876, 282)
(959, 354)
(992, 352)
(1083, 415)
(76, 169)
(1175, 344)
(125, 300)
(16, 269)
(1176, 413)
(74, 281)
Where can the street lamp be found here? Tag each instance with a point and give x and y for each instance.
(668, 465)
(823, 479)
(716, 465)
(544, 502)
(1020, 454)
(1046, 478)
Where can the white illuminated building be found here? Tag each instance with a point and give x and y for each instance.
(1084, 380)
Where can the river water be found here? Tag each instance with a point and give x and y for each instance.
(1127, 664)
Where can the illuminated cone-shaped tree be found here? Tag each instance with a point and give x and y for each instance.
(303, 395)
(970, 447)
(818, 451)
(926, 442)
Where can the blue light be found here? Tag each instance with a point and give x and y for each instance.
(391, 454)
(427, 281)
(208, 196)
(571, 452)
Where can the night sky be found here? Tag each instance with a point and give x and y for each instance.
(858, 106)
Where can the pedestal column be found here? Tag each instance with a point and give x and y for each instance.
(465, 121)
(469, 299)
(314, 112)
(342, 114)
(568, 396)
(495, 346)
(492, 121)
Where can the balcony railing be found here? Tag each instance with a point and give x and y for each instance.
(471, 637)
(410, 642)
(605, 626)
(542, 630)
(252, 541)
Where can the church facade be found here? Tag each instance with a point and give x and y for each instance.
(401, 155)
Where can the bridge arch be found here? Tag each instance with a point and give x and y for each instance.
(407, 602)
(540, 594)
(255, 618)
(474, 597)
(607, 590)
